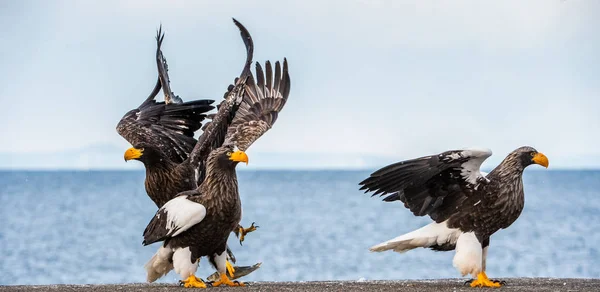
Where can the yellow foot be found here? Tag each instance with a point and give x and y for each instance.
(192, 282)
(224, 280)
(230, 268)
(243, 231)
(483, 281)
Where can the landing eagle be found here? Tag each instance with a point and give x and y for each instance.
(162, 135)
(197, 222)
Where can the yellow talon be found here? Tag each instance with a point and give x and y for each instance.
(243, 231)
(483, 281)
(224, 280)
(193, 282)
(230, 268)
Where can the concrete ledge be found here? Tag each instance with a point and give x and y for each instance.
(513, 284)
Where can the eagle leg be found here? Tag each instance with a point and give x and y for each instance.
(224, 280)
(192, 282)
(241, 231)
(230, 268)
(483, 281)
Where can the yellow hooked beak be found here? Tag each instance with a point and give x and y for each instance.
(541, 159)
(133, 153)
(239, 156)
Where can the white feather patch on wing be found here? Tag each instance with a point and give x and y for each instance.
(426, 236)
(469, 254)
(470, 169)
(182, 262)
(182, 214)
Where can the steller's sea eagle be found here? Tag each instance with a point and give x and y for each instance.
(466, 206)
(162, 134)
(197, 222)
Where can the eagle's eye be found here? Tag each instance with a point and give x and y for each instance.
(532, 154)
(228, 153)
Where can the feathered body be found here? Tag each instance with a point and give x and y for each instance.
(220, 197)
(198, 221)
(165, 178)
(162, 135)
(493, 205)
(466, 206)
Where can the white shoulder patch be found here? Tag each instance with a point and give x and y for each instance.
(478, 152)
(470, 169)
(182, 214)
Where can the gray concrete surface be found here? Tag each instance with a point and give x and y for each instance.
(514, 284)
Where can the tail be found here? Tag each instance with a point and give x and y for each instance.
(434, 235)
(159, 265)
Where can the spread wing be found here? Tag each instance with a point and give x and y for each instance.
(169, 125)
(215, 130)
(173, 218)
(432, 185)
(262, 102)
(163, 69)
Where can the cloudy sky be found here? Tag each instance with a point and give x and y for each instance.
(391, 79)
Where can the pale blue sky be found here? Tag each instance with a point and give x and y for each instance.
(392, 79)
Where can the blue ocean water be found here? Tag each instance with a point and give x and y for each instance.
(86, 227)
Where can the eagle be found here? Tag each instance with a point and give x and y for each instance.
(467, 207)
(197, 222)
(162, 135)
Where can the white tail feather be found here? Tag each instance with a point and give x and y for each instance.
(426, 236)
(159, 265)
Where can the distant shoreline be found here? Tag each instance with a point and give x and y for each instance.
(262, 170)
(513, 284)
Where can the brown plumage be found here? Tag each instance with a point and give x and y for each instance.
(198, 222)
(168, 168)
(162, 135)
(467, 206)
(168, 125)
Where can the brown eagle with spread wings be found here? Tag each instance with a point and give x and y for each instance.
(197, 222)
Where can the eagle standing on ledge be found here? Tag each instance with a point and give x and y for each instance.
(198, 222)
(467, 206)
(162, 134)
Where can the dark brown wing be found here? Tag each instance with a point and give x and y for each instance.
(431, 185)
(215, 130)
(261, 105)
(167, 125)
(163, 69)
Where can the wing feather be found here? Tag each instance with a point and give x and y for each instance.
(269, 77)
(260, 77)
(259, 109)
(173, 218)
(216, 130)
(168, 125)
(163, 68)
(430, 185)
